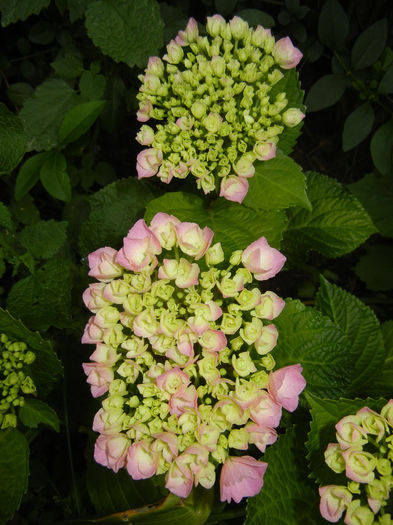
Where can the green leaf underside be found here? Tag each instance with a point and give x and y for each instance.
(14, 468)
(375, 268)
(360, 325)
(313, 340)
(44, 239)
(79, 120)
(326, 91)
(234, 225)
(336, 225)
(277, 183)
(369, 45)
(43, 113)
(54, 177)
(46, 367)
(35, 412)
(358, 126)
(126, 31)
(326, 413)
(14, 10)
(287, 497)
(12, 140)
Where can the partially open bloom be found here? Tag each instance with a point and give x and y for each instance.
(218, 103)
(182, 358)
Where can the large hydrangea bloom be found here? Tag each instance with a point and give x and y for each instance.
(183, 357)
(217, 106)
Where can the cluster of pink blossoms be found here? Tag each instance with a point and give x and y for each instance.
(183, 357)
(218, 105)
(364, 451)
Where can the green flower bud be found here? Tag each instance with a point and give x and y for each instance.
(198, 109)
(292, 117)
(28, 386)
(243, 364)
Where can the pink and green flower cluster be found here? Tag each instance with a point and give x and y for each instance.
(183, 357)
(364, 452)
(14, 381)
(212, 96)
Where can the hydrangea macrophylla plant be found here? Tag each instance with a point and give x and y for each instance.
(183, 357)
(212, 96)
(14, 383)
(364, 451)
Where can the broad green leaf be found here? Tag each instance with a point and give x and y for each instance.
(322, 348)
(92, 86)
(35, 412)
(5, 217)
(277, 183)
(381, 147)
(336, 225)
(360, 325)
(382, 384)
(375, 192)
(29, 174)
(114, 209)
(357, 126)
(46, 367)
(79, 119)
(43, 113)
(126, 31)
(77, 8)
(225, 7)
(54, 177)
(24, 210)
(326, 91)
(44, 239)
(369, 45)
(256, 17)
(42, 33)
(19, 92)
(333, 25)
(12, 140)
(14, 10)
(234, 225)
(14, 468)
(386, 85)
(374, 268)
(326, 413)
(174, 20)
(287, 496)
(68, 64)
(44, 298)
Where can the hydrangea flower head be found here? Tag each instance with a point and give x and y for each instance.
(183, 357)
(212, 99)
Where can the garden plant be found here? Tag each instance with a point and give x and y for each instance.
(195, 262)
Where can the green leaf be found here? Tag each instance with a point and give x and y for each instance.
(42, 33)
(357, 126)
(322, 348)
(381, 147)
(77, 8)
(44, 298)
(369, 45)
(225, 7)
(44, 239)
(375, 192)
(278, 183)
(68, 64)
(54, 177)
(360, 325)
(92, 86)
(255, 17)
(35, 412)
(386, 84)
(12, 140)
(43, 113)
(234, 225)
(287, 496)
(382, 384)
(29, 174)
(375, 268)
(14, 468)
(14, 10)
(79, 119)
(336, 225)
(19, 92)
(114, 209)
(126, 31)
(333, 25)
(326, 91)
(5, 217)
(326, 413)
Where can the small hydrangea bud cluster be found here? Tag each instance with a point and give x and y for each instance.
(14, 383)
(213, 96)
(183, 356)
(364, 451)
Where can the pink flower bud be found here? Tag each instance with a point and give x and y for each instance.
(155, 66)
(262, 260)
(179, 481)
(174, 53)
(244, 166)
(103, 266)
(105, 355)
(234, 188)
(111, 450)
(139, 248)
(142, 462)
(193, 240)
(99, 377)
(334, 500)
(145, 111)
(147, 162)
(187, 274)
(264, 150)
(239, 28)
(173, 380)
(215, 25)
(93, 333)
(270, 307)
(164, 228)
(350, 432)
(241, 477)
(213, 341)
(267, 340)
(286, 384)
(265, 411)
(184, 398)
(94, 298)
(261, 436)
(145, 136)
(189, 35)
(286, 54)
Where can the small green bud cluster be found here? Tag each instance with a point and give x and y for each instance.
(364, 451)
(14, 383)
